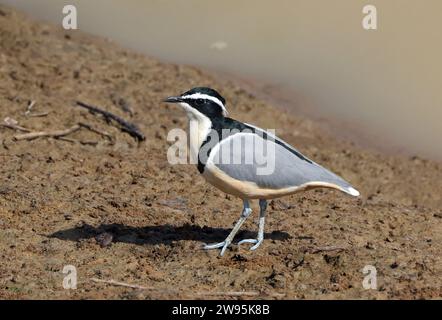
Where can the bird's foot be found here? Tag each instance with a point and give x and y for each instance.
(256, 242)
(224, 244)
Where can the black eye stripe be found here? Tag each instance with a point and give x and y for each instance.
(198, 101)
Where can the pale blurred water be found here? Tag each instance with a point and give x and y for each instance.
(388, 80)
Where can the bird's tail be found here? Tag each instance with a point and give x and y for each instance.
(351, 191)
(332, 180)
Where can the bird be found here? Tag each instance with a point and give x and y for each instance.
(212, 137)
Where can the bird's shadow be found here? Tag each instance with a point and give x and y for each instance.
(162, 234)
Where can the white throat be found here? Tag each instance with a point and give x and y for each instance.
(199, 129)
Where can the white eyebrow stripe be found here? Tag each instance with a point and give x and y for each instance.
(206, 96)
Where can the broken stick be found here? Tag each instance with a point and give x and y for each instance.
(52, 134)
(241, 294)
(121, 284)
(128, 127)
(31, 105)
(38, 115)
(13, 124)
(102, 133)
(29, 113)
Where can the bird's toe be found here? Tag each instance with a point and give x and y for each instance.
(224, 245)
(255, 242)
(224, 248)
(214, 245)
(256, 245)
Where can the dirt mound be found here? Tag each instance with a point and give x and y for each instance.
(115, 208)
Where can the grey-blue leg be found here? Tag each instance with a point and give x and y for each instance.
(262, 214)
(224, 244)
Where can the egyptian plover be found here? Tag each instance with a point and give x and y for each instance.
(229, 154)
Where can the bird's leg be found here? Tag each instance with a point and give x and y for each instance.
(224, 244)
(262, 214)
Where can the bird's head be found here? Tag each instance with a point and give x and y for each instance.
(201, 100)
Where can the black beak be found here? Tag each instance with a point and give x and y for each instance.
(173, 100)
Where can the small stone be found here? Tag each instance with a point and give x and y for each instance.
(370, 246)
(104, 239)
(333, 260)
(239, 258)
(294, 261)
(276, 280)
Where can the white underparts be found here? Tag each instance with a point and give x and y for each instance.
(199, 129)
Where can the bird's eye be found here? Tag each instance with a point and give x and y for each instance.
(199, 102)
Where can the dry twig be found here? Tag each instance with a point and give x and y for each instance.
(13, 124)
(38, 115)
(122, 103)
(206, 294)
(128, 127)
(242, 294)
(121, 284)
(59, 134)
(102, 133)
(34, 115)
(85, 143)
(29, 108)
(53, 134)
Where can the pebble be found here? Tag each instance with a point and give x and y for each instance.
(104, 239)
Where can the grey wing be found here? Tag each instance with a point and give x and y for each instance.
(270, 163)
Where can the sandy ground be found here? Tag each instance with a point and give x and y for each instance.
(151, 218)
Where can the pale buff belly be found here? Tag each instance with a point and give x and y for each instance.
(249, 190)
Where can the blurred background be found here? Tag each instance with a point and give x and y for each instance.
(386, 82)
